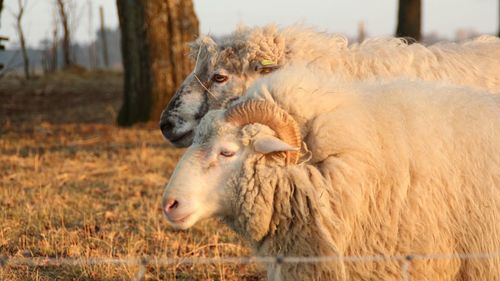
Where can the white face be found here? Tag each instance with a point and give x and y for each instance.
(197, 188)
(205, 181)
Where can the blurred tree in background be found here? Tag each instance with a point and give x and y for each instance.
(154, 36)
(409, 19)
(1, 38)
(20, 33)
(1, 8)
(66, 42)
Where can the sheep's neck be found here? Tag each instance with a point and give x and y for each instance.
(298, 226)
(282, 212)
(278, 209)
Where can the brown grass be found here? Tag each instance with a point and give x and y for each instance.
(91, 189)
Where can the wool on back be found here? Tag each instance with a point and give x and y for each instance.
(473, 63)
(412, 168)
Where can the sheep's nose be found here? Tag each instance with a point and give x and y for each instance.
(170, 205)
(166, 127)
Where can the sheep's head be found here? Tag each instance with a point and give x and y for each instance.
(209, 179)
(223, 71)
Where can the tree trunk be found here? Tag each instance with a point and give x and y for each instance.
(53, 49)
(409, 19)
(135, 52)
(91, 47)
(154, 36)
(2, 38)
(1, 8)
(104, 39)
(26, 59)
(22, 40)
(66, 46)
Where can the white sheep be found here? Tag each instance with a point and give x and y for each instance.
(398, 168)
(225, 67)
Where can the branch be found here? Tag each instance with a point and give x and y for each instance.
(21, 10)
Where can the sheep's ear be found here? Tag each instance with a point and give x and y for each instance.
(204, 44)
(268, 144)
(266, 66)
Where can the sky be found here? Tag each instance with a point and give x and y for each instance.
(443, 17)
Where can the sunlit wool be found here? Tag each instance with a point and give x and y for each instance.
(398, 167)
(250, 53)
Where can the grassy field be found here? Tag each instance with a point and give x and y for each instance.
(72, 184)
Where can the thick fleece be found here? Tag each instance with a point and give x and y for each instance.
(398, 168)
(240, 55)
(472, 63)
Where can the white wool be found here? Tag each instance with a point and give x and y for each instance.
(398, 167)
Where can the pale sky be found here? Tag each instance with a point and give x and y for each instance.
(444, 17)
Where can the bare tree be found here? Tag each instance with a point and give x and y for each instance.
(92, 46)
(19, 16)
(1, 8)
(409, 19)
(66, 42)
(45, 60)
(104, 39)
(76, 12)
(55, 42)
(154, 34)
(2, 47)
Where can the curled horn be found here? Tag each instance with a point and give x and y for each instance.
(272, 116)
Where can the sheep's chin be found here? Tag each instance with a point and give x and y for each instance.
(184, 223)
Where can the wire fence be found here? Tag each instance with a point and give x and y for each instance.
(278, 261)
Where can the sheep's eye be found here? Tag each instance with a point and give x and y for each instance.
(266, 70)
(226, 153)
(219, 78)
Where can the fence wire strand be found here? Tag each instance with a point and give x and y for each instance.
(278, 261)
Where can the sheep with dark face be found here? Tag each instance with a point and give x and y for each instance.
(397, 168)
(225, 67)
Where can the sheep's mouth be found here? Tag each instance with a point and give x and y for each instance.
(182, 140)
(178, 221)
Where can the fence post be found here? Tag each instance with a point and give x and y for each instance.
(405, 267)
(141, 274)
(277, 267)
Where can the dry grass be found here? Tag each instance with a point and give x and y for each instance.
(91, 189)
